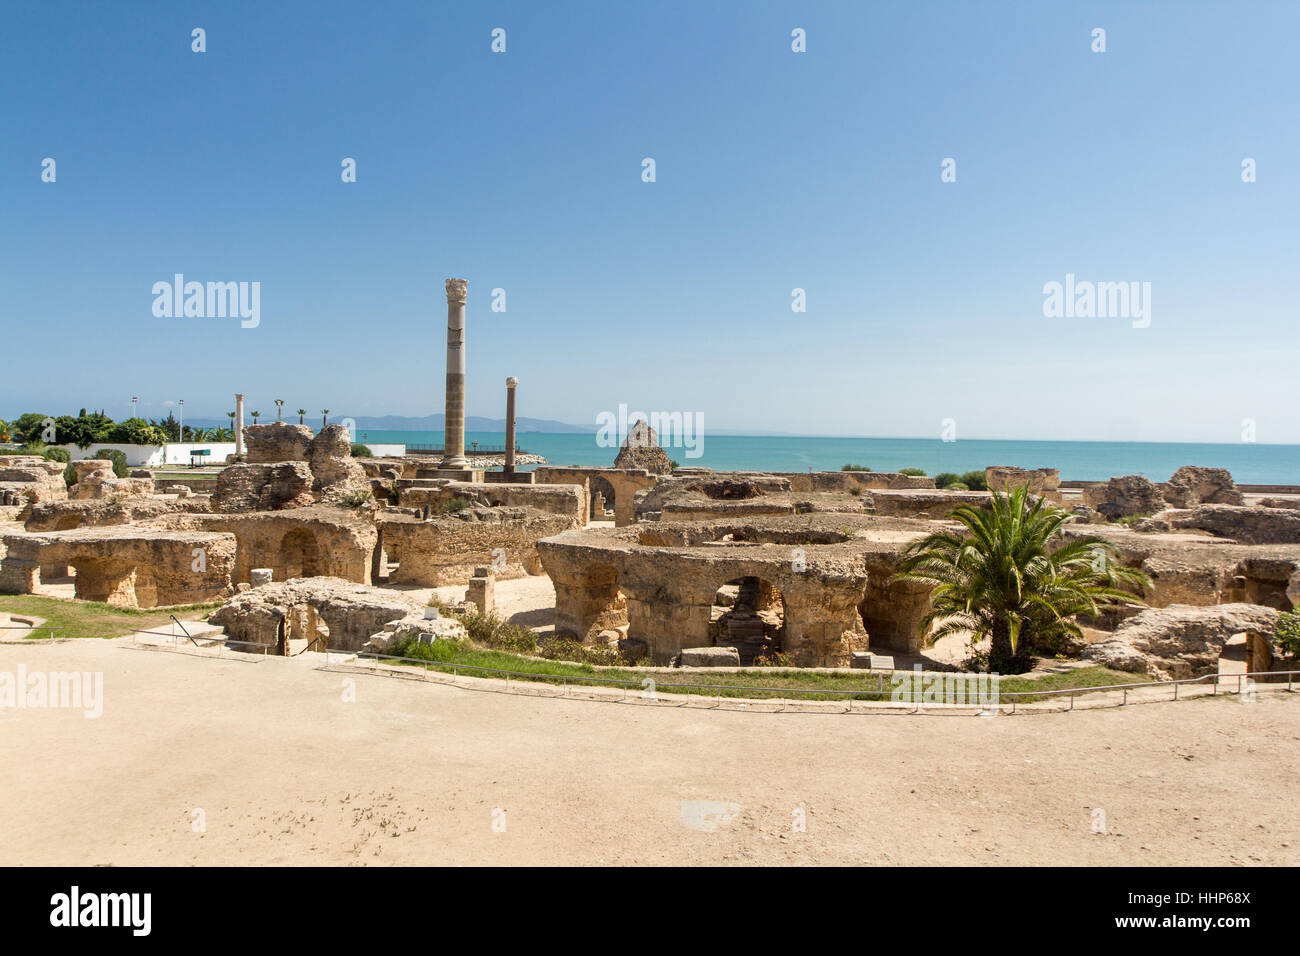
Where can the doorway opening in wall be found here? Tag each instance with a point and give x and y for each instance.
(749, 615)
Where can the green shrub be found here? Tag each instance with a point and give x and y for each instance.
(361, 451)
(958, 486)
(775, 659)
(57, 454)
(443, 649)
(918, 472)
(69, 475)
(488, 630)
(559, 649)
(454, 505)
(975, 481)
(854, 468)
(116, 457)
(1288, 633)
(357, 499)
(491, 631)
(1129, 521)
(133, 431)
(946, 478)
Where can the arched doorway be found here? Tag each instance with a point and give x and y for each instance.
(602, 498)
(749, 615)
(299, 554)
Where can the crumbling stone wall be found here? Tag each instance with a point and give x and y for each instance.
(447, 549)
(626, 484)
(1190, 486)
(567, 501)
(99, 512)
(323, 469)
(1041, 482)
(1124, 496)
(342, 614)
(28, 480)
(670, 592)
(123, 566)
(321, 540)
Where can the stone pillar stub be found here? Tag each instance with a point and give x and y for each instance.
(239, 423)
(453, 443)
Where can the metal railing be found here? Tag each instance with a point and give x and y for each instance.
(207, 640)
(29, 627)
(470, 451)
(780, 693)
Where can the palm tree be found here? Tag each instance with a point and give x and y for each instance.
(279, 403)
(255, 415)
(231, 416)
(325, 417)
(301, 413)
(1004, 579)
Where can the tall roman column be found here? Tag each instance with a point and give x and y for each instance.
(239, 423)
(453, 442)
(511, 384)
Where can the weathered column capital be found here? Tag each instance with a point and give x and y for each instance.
(456, 290)
(512, 382)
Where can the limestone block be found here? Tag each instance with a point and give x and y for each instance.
(710, 657)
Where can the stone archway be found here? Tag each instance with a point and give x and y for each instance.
(603, 497)
(300, 555)
(749, 614)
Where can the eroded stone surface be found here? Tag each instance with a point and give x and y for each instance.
(446, 549)
(1125, 496)
(332, 613)
(1191, 485)
(1178, 642)
(125, 566)
(662, 580)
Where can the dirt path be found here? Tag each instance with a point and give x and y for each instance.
(286, 770)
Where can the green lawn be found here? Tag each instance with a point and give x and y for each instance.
(92, 619)
(88, 619)
(752, 683)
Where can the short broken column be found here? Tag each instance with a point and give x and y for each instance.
(239, 423)
(482, 590)
(259, 576)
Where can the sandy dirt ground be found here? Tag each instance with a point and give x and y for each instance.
(242, 760)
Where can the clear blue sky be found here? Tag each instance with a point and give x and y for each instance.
(775, 170)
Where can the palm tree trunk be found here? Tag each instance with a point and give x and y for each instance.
(1001, 654)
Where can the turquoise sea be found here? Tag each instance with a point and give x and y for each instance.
(1252, 464)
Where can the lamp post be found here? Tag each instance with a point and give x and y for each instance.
(134, 399)
(180, 434)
